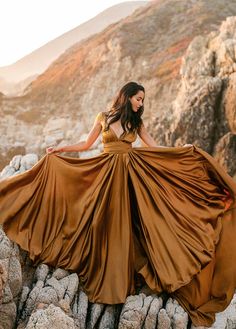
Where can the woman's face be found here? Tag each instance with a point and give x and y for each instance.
(137, 100)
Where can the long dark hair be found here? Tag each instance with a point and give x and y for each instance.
(122, 108)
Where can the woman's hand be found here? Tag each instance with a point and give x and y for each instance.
(187, 145)
(52, 150)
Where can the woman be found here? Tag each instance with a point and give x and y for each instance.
(130, 99)
(165, 213)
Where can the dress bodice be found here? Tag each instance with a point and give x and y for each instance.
(110, 135)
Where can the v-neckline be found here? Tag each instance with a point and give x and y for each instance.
(113, 131)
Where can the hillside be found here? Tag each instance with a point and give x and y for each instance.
(38, 61)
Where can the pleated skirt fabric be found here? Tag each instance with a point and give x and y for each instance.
(168, 214)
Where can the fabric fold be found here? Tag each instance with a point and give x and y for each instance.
(168, 214)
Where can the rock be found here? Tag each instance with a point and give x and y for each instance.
(65, 306)
(10, 281)
(224, 152)
(109, 317)
(206, 97)
(15, 276)
(225, 44)
(94, 315)
(70, 284)
(60, 273)
(7, 315)
(197, 97)
(164, 322)
(18, 165)
(3, 279)
(16, 161)
(134, 311)
(178, 316)
(28, 269)
(227, 318)
(42, 272)
(7, 172)
(28, 160)
(50, 318)
(55, 284)
(230, 102)
(151, 318)
(49, 290)
(24, 295)
(80, 309)
(6, 246)
(7, 294)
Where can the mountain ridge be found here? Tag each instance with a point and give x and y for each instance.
(38, 60)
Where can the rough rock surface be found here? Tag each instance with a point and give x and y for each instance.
(10, 281)
(19, 164)
(204, 111)
(50, 318)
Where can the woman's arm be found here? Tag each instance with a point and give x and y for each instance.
(146, 137)
(83, 145)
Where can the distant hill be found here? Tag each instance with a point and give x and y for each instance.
(16, 88)
(38, 61)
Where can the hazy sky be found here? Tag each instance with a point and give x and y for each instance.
(26, 25)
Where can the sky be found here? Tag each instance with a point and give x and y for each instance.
(26, 25)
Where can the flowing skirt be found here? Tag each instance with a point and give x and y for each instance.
(166, 213)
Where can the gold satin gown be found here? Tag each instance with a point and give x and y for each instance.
(166, 213)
